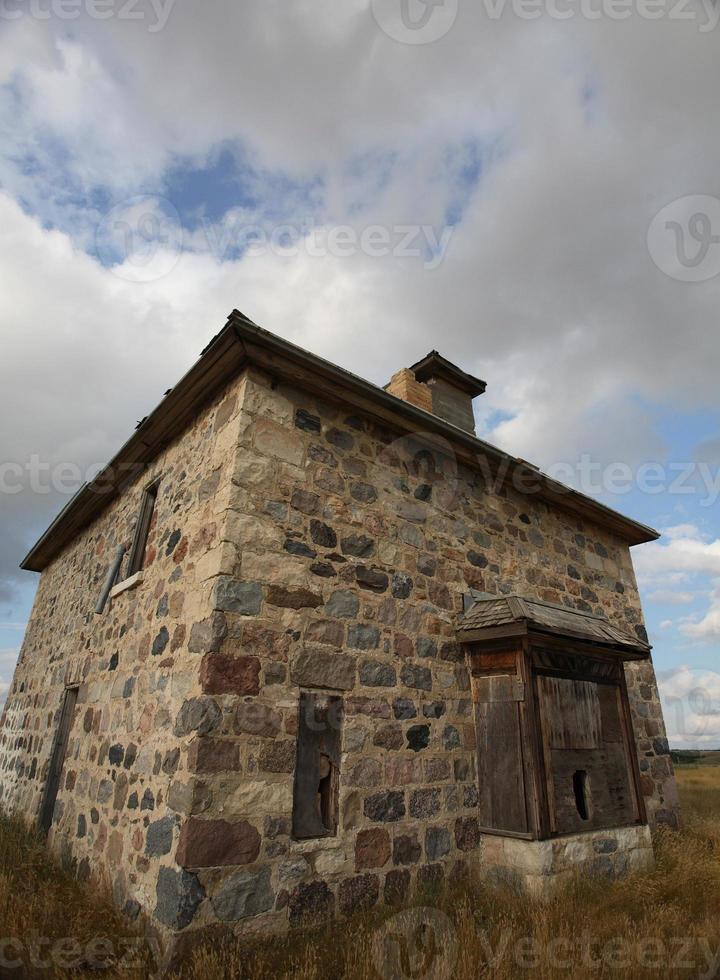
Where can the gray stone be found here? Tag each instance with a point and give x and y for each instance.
(402, 585)
(207, 635)
(179, 895)
(242, 895)
(238, 597)
(358, 545)
(363, 637)
(424, 802)
(201, 715)
(438, 843)
(343, 603)
(451, 737)
(417, 677)
(160, 642)
(377, 675)
(160, 837)
(385, 807)
(404, 708)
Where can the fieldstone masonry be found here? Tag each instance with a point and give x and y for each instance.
(296, 544)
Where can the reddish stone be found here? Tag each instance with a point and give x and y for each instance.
(216, 843)
(326, 631)
(214, 755)
(403, 645)
(400, 772)
(389, 737)
(221, 673)
(372, 849)
(266, 642)
(181, 551)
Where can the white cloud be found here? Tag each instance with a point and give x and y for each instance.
(691, 706)
(670, 598)
(666, 624)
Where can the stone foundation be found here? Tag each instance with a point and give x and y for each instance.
(537, 866)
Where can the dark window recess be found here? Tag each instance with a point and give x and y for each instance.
(142, 529)
(57, 759)
(580, 788)
(317, 768)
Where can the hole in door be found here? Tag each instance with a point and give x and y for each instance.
(57, 759)
(580, 788)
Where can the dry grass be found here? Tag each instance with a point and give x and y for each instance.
(664, 923)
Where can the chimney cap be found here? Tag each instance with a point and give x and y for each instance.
(434, 365)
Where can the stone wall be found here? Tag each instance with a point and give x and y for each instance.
(296, 545)
(136, 665)
(355, 547)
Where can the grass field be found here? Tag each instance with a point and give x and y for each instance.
(664, 923)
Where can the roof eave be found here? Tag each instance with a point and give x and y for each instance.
(241, 342)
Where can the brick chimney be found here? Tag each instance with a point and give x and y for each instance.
(438, 386)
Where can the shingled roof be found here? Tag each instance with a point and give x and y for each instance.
(534, 615)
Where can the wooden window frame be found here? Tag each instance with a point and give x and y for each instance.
(136, 558)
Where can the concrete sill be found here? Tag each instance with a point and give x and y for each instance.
(126, 584)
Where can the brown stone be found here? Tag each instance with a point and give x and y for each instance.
(278, 757)
(278, 595)
(222, 673)
(397, 883)
(213, 755)
(216, 843)
(326, 631)
(372, 849)
(320, 668)
(467, 833)
(358, 894)
(389, 737)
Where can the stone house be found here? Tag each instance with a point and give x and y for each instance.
(306, 645)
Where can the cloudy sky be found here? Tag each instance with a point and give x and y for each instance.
(529, 185)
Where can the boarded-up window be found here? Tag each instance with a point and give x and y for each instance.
(317, 769)
(137, 552)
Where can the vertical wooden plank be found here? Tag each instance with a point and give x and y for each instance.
(500, 766)
(57, 759)
(535, 792)
(630, 749)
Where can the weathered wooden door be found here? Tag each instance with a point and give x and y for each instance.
(57, 759)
